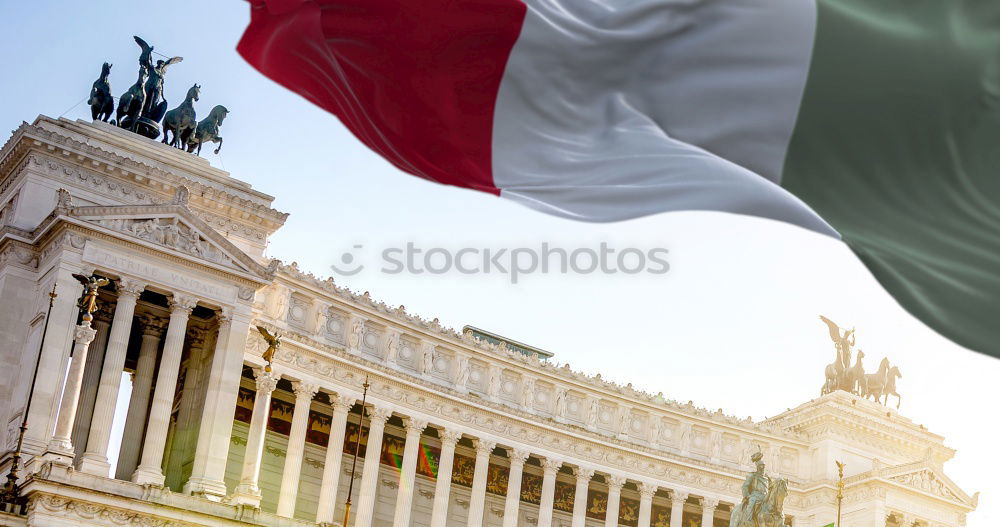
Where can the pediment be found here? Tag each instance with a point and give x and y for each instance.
(172, 228)
(928, 478)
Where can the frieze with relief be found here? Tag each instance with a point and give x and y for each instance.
(171, 233)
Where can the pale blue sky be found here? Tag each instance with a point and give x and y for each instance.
(732, 325)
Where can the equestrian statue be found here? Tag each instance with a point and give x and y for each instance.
(763, 499)
(102, 104)
(181, 121)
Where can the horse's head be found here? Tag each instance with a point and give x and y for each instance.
(194, 92)
(779, 489)
(219, 113)
(894, 371)
(105, 69)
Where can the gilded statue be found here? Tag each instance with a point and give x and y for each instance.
(842, 375)
(88, 303)
(273, 343)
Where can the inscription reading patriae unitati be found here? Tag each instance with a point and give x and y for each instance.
(139, 268)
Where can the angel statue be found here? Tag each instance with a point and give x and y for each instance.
(88, 303)
(273, 343)
(155, 105)
(836, 372)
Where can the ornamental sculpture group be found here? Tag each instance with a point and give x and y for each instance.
(763, 499)
(143, 107)
(841, 374)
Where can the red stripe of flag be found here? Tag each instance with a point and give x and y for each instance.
(416, 81)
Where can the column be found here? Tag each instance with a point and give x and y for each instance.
(615, 484)
(708, 506)
(477, 499)
(135, 420)
(550, 467)
(334, 453)
(442, 487)
(54, 352)
(247, 492)
(91, 380)
(513, 501)
(95, 459)
(677, 499)
(212, 449)
(369, 475)
(646, 492)
(149, 470)
(583, 477)
(407, 472)
(60, 448)
(296, 448)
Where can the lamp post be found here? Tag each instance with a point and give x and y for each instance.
(840, 488)
(357, 450)
(11, 493)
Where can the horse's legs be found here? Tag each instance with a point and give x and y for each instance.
(220, 146)
(899, 400)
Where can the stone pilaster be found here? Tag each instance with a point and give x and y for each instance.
(442, 488)
(212, 449)
(142, 385)
(407, 472)
(583, 477)
(513, 501)
(149, 471)
(60, 449)
(550, 467)
(95, 459)
(369, 475)
(334, 453)
(477, 500)
(247, 492)
(296, 448)
(615, 484)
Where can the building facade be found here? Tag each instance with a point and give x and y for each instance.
(457, 429)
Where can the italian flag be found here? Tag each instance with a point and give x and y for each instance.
(873, 121)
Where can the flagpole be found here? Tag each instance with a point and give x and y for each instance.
(11, 492)
(840, 488)
(357, 450)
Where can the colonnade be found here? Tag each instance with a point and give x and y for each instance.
(377, 414)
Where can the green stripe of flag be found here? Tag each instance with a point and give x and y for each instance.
(897, 146)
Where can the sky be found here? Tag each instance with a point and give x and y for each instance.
(733, 324)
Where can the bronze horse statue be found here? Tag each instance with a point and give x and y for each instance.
(771, 513)
(130, 103)
(208, 130)
(102, 104)
(181, 121)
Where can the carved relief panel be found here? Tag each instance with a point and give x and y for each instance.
(479, 376)
(299, 311)
(510, 383)
(408, 356)
(336, 325)
(371, 340)
(576, 410)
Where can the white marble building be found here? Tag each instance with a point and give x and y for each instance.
(470, 433)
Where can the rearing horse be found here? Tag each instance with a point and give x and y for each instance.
(208, 130)
(182, 120)
(102, 104)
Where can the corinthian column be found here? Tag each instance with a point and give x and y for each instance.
(708, 506)
(247, 492)
(369, 474)
(442, 487)
(513, 501)
(583, 477)
(60, 449)
(128, 456)
(407, 472)
(334, 453)
(95, 459)
(91, 379)
(550, 467)
(646, 492)
(477, 500)
(149, 470)
(677, 499)
(615, 484)
(296, 448)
